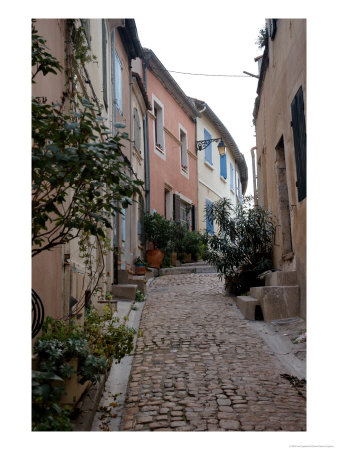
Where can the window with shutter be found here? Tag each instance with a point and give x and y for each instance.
(208, 148)
(209, 220)
(176, 207)
(223, 166)
(231, 177)
(158, 125)
(299, 138)
(193, 218)
(118, 82)
(184, 150)
(123, 225)
(137, 130)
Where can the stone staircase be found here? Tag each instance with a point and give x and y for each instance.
(278, 299)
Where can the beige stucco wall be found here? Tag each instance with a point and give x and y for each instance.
(285, 74)
(47, 267)
(211, 185)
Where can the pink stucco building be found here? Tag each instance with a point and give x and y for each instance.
(172, 136)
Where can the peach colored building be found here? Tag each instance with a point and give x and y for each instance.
(172, 137)
(60, 273)
(280, 115)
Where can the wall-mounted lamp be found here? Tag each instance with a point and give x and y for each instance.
(201, 145)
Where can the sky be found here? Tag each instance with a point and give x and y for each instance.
(212, 37)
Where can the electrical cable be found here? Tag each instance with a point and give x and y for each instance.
(209, 75)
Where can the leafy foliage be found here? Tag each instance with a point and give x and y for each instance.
(42, 60)
(107, 336)
(262, 38)
(157, 230)
(241, 248)
(139, 296)
(47, 414)
(96, 345)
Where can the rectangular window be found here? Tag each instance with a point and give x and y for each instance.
(185, 214)
(237, 183)
(299, 138)
(118, 83)
(123, 225)
(209, 220)
(223, 166)
(158, 126)
(184, 150)
(137, 130)
(231, 177)
(167, 203)
(208, 148)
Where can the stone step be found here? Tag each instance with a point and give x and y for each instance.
(277, 302)
(187, 269)
(126, 277)
(247, 305)
(127, 291)
(281, 278)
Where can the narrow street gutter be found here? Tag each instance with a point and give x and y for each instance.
(282, 348)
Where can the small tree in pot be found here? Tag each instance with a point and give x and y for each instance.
(241, 249)
(157, 231)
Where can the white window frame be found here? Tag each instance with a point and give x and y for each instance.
(118, 82)
(184, 161)
(159, 147)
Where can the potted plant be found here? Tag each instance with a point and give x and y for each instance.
(140, 268)
(157, 231)
(241, 249)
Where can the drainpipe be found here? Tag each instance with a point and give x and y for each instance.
(146, 147)
(113, 77)
(197, 213)
(131, 112)
(254, 175)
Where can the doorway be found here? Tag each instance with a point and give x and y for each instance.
(283, 200)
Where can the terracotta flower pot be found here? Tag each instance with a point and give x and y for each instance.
(173, 258)
(155, 258)
(140, 270)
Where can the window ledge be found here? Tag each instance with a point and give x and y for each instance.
(224, 180)
(210, 166)
(160, 149)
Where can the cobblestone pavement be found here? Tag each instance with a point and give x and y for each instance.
(200, 367)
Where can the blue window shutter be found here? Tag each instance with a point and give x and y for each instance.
(118, 82)
(208, 149)
(123, 237)
(209, 223)
(231, 177)
(223, 165)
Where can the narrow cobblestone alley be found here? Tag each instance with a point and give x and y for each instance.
(199, 366)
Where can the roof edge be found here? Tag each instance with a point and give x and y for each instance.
(158, 69)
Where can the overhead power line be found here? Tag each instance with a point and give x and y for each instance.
(209, 75)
